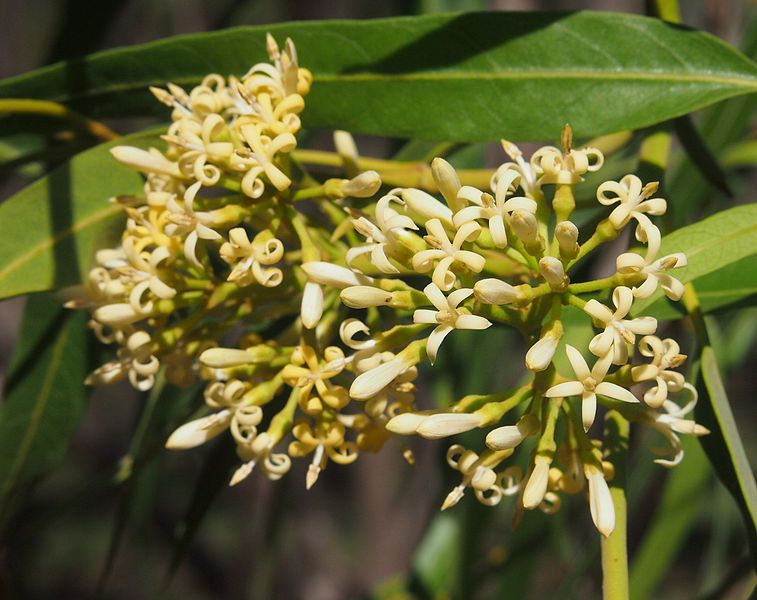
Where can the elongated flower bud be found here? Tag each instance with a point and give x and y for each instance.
(445, 424)
(406, 423)
(509, 436)
(600, 500)
(145, 162)
(363, 296)
(426, 206)
(333, 275)
(447, 181)
(540, 355)
(364, 185)
(524, 226)
(494, 291)
(536, 487)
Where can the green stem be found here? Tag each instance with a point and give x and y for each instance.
(53, 109)
(593, 286)
(615, 546)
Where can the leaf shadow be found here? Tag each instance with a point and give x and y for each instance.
(458, 40)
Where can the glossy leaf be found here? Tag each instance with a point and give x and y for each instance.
(64, 217)
(676, 512)
(710, 244)
(44, 395)
(724, 446)
(462, 77)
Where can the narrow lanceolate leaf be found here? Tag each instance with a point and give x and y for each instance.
(45, 393)
(50, 230)
(461, 77)
(711, 244)
(724, 446)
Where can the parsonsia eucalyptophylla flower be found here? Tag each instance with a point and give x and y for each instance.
(232, 234)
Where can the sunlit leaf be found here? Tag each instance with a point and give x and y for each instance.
(463, 77)
(45, 393)
(50, 230)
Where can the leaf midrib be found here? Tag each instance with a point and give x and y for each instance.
(34, 251)
(452, 76)
(39, 407)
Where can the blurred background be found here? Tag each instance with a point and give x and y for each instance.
(372, 530)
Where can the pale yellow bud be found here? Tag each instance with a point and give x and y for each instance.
(364, 185)
(552, 270)
(494, 291)
(445, 424)
(363, 296)
(447, 181)
(536, 487)
(566, 234)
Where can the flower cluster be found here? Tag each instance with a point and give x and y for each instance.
(234, 239)
(506, 255)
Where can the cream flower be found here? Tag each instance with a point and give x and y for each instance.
(446, 317)
(566, 167)
(600, 500)
(382, 236)
(198, 144)
(306, 372)
(260, 159)
(618, 331)
(185, 221)
(448, 253)
(633, 198)
(259, 451)
(476, 474)
(144, 271)
(653, 271)
(135, 360)
(670, 422)
(326, 441)
(665, 355)
(250, 259)
(588, 384)
(495, 209)
(529, 172)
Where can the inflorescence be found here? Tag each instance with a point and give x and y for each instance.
(233, 239)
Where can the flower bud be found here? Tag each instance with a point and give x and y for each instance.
(116, 315)
(199, 431)
(553, 272)
(311, 309)
(426, 206)
(363, 296)
(566, 234)
(447, 181)
(536, 487)
(405, 423)
(600, 500)
(347, 151)
(509, 436)
(445, 424)
(540, 355)
(333, 275)
(145, 162)
(364, 185)
(524, 226)
(494, 291)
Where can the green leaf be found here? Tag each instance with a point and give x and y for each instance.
(437, 558)
(64, 218)
(700, 154)
(742, 154)
(45, 393)
(710, 245)
(461, 77)
(676, 512)
(213, 478)
(723, 446)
